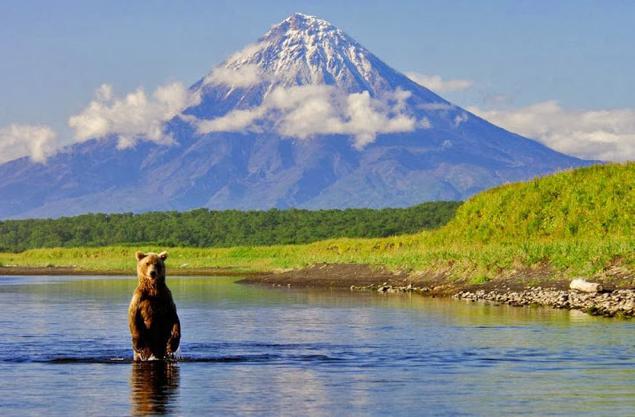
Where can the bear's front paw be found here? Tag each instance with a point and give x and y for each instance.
(141, 355)
(171, 355)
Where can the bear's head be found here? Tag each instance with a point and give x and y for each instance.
(151, 267)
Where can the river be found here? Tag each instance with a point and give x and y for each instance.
(259, 351)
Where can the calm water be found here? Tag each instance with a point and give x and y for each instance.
(64, 350)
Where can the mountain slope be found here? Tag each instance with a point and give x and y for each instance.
(305, 117)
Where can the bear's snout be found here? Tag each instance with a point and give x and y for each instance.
(153, 274)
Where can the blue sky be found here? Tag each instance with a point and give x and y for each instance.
(578, 55)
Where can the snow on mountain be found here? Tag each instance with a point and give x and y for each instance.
(305, 50)
(306, 77)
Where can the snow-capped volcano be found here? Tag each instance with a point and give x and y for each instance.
(304, 117)
(305, 77)
(304, 50)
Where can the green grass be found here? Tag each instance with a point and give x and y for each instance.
(478, 262)
(590, 202)
(576, 223)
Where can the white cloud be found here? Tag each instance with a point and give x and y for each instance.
(459, 119)
(37, 142)
(246, 54)
(435, 106)
(593, 134)
(133, 117)
(104, 92)
(234, 121)
(438, 84)
(242, 76)
(305, 111)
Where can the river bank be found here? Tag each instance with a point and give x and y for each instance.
(612, 303)
(529, 287)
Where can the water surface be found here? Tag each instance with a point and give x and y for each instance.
(257, 351)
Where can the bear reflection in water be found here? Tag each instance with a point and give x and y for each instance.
(153, 387)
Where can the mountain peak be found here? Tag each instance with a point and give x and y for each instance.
(310, 30)
(302, 22)
(305, 50)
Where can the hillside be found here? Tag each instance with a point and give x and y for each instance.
(593, 202)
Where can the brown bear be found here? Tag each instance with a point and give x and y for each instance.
(154, 324)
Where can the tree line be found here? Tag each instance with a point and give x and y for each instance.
(209, 228)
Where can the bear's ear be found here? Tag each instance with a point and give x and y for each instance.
(139, 255)
(163, 255)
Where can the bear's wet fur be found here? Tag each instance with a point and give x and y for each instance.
(154, 325)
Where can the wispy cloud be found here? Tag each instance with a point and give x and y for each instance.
(593, 134)
(36, 141)
(438, 84)
(242, 76)
(436, 106)
(305, 111)
(459, 119)
(132, 117)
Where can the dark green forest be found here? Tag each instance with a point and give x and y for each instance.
(205, 228)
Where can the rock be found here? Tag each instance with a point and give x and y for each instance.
(580, 284)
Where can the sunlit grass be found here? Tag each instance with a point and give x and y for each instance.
(571, 257)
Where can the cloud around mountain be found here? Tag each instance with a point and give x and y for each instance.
(309, 110)
(34, 141)
(593, 134)
(438, 84)
(135, 116)
(243, 76)
(305, 111)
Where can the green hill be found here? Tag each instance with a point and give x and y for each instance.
(592, 202)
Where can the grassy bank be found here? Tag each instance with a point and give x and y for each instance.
(476, 262)
(569, 224)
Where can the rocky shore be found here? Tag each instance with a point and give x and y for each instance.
(387, 288)
(617, 303)
(523, 289)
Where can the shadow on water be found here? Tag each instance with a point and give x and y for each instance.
(154, 387)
